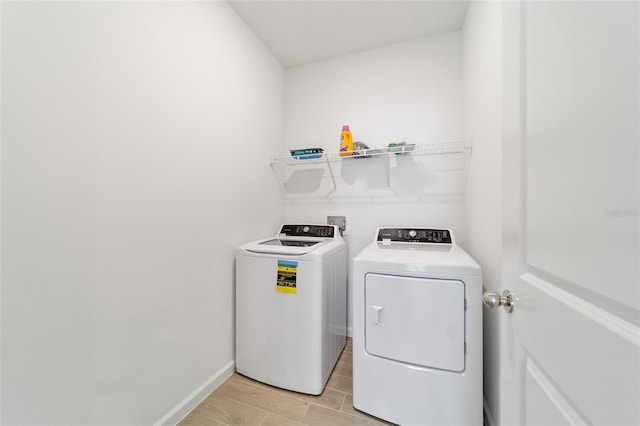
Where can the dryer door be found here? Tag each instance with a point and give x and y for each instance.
(417, 321)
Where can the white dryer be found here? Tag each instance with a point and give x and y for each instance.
(291, 309)
(417, 329)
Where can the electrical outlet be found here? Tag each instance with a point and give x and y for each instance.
(339, 221)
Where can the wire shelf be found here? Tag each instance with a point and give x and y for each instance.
(450, 159)
(460, 151)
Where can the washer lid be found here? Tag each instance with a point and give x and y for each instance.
(281, 242)
(288, 246)
(298, 240)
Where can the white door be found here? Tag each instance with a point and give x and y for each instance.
(570, 348)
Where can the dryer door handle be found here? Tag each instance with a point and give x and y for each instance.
(378, 314)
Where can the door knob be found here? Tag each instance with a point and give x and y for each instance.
(491, 299)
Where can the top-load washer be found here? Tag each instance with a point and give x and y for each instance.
(291, 312)
(417, 329)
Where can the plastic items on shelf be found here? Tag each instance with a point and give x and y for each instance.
(306, 153)
(346, 141)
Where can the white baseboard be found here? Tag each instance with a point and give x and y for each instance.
(197, 396)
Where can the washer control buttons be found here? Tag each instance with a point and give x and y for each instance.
(314, 231)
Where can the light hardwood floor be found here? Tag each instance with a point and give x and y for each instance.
(242, 401)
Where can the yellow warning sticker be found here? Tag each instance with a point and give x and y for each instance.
(287, 276)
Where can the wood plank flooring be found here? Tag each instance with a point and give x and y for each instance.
(242, 401)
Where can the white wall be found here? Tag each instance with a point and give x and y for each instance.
(124, 128)
(483, 122)
(405, 92)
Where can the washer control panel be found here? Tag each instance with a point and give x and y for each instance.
(318, 231)
(415, 235)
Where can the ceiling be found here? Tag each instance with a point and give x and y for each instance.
(304, 31)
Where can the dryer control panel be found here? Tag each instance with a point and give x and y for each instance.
(415, 235)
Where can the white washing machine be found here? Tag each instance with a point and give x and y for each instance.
(417, 329)
(291, 309)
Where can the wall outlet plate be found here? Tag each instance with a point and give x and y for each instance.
(339, 221)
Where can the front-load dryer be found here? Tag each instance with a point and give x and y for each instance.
(417, 329)
(291, 311)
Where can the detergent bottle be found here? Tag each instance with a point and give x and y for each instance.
(346, 141)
